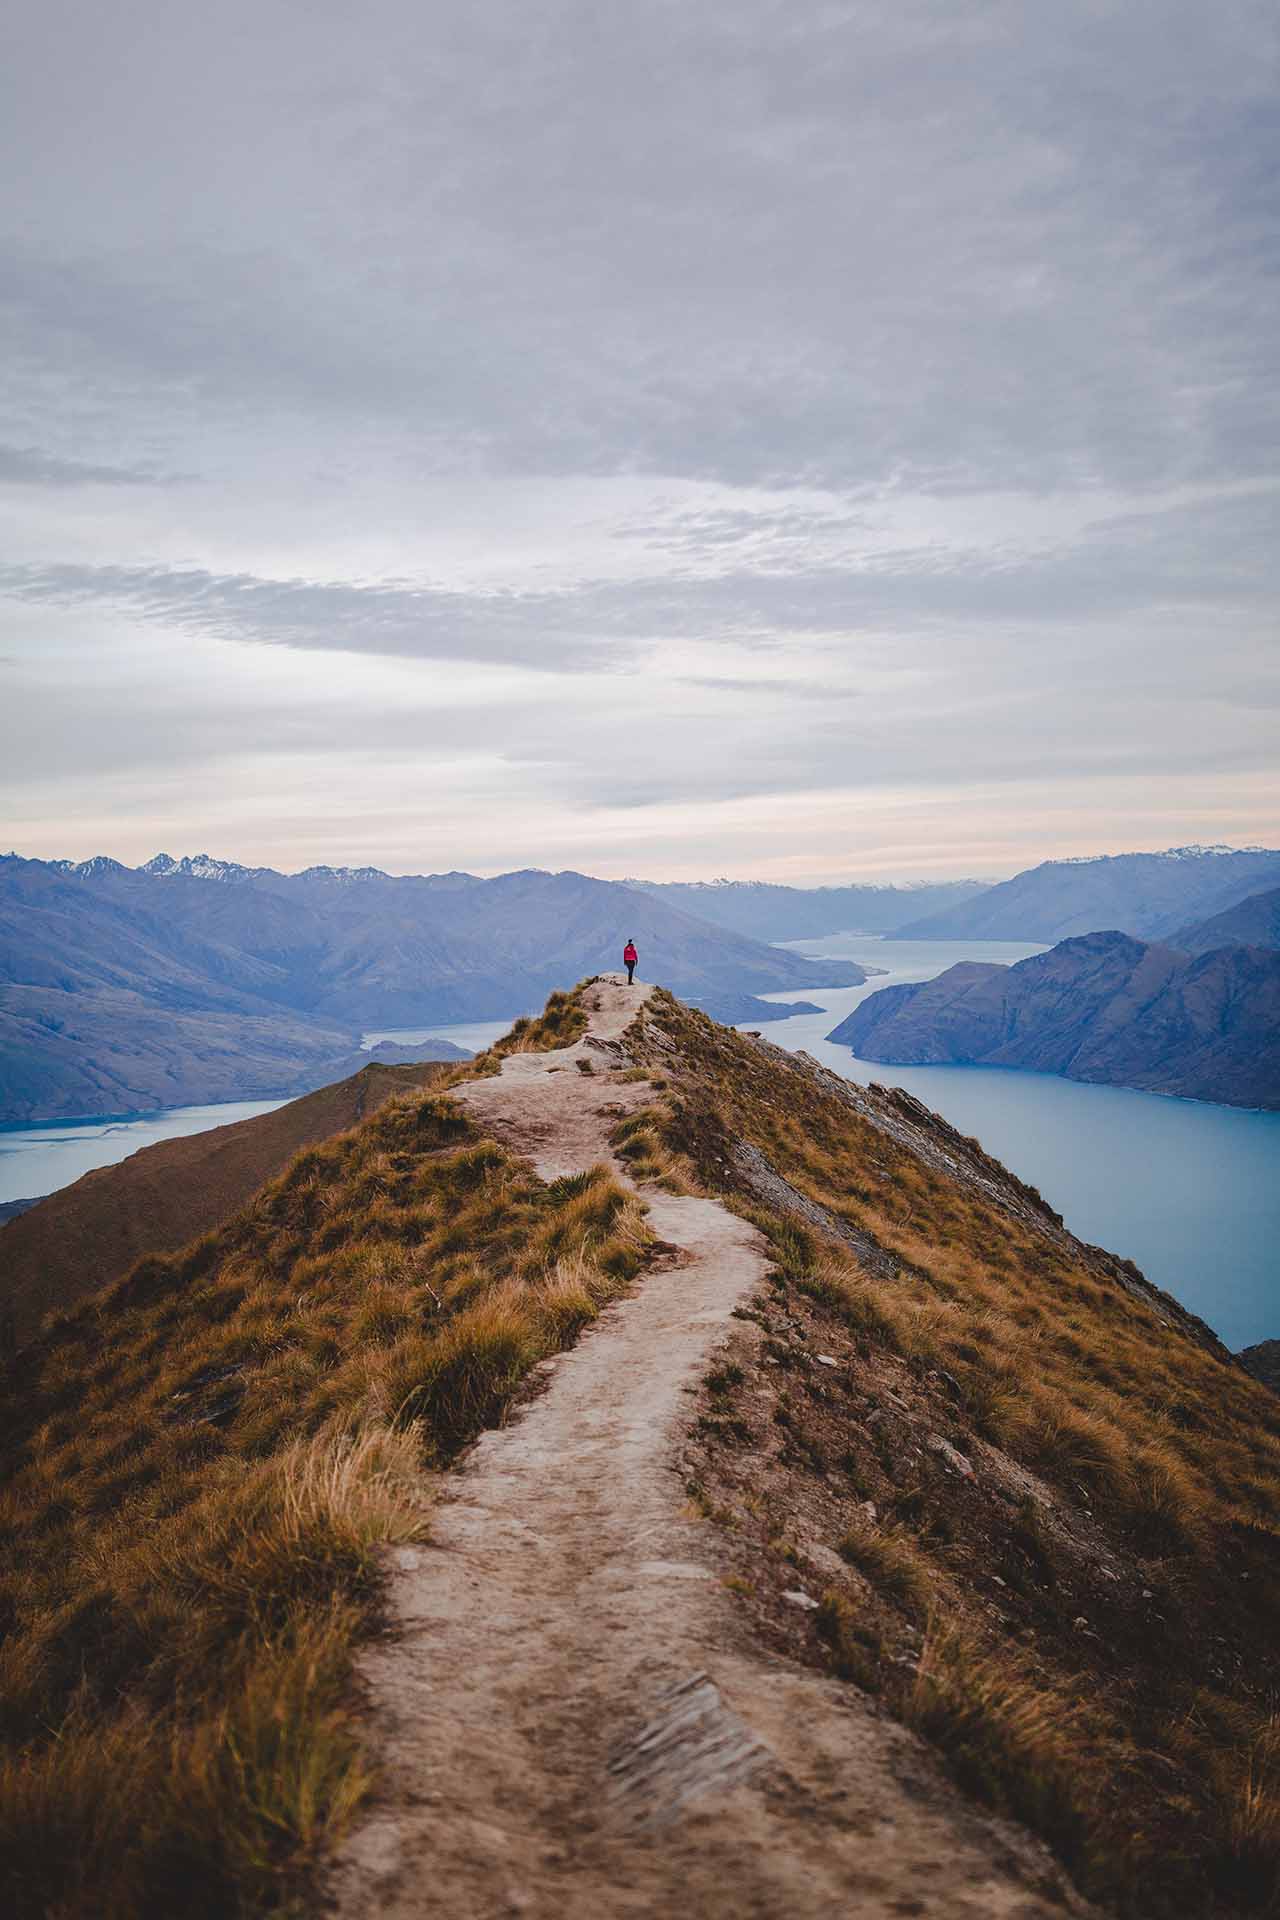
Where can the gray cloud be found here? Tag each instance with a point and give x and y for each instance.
(550, 632)
(690, 355)
(29, 467)
(1220, 552)
(730, 241)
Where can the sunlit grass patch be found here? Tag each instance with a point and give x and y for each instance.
(639, 1141)
(562, 1021)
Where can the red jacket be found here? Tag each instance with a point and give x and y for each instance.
(629, 955)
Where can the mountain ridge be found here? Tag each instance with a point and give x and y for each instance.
(1149, 895)
(122, 989)
(1101, 1007)
(874, 1505)
(1252, 922)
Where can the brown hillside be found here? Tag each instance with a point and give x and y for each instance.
(92, 1232)
(1029, 1503)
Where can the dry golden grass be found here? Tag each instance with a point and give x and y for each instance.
(562, 1021)
(200, 1469)
(891, 1561)
(639, 1141)
(1146, 1753)
(1018, 1744)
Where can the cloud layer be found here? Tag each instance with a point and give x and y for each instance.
(812, 438)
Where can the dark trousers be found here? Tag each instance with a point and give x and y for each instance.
(631, 972)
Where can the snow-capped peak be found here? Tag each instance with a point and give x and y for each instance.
(1194, 852)
(342, 876)
(100, 863)
(199, 866)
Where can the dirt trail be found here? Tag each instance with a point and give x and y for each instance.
(571, 1723)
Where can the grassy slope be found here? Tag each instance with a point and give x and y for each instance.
(199, 1469)
(1086, 1627)
(90, 1233)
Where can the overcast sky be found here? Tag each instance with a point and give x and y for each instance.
(791, 440)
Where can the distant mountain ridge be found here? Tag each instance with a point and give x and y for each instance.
(1101, 1007)
(198, 979)
(1253, 922)
(768, 910)
(1149, 895)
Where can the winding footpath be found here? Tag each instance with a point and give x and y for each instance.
(570, 1719)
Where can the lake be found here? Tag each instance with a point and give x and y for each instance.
(474, 1035)
(51, 1154)
(42, 1158)
(1189, 1191)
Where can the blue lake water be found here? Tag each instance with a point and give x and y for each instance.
(42, 1158)
(1189, 1191)
(474, 1035)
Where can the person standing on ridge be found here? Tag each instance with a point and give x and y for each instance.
(629, 958)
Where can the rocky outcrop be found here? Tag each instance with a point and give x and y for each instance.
(1104, 1008)
(1263, 1362)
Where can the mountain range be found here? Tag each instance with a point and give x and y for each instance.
(1254, 922)
(1100, 1007)
(1151, 895)
(200, 979)
(767, 911)
(124, 988)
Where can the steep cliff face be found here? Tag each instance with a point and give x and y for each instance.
(1103, 1007)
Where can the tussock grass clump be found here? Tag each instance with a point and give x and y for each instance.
(198, 1473)
(640, 1141)
(562, 1021)
(890, 1560)
(1244, 1782)
(1018, 1745)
